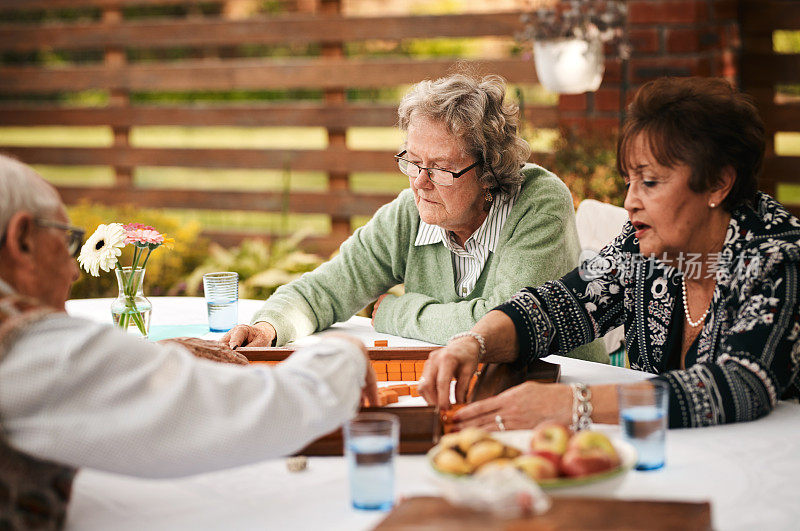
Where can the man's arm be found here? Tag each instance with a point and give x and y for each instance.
(91, 396)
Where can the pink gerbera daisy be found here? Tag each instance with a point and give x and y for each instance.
(144, 236)
(137, 226)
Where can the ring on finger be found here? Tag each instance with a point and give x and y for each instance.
(498, 420)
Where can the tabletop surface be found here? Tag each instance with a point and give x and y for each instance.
(749, 471)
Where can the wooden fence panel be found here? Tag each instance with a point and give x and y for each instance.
(769, 69)
(303, 29)
(781, 116)
(27, 5)
(110, 66)
(763, 70)
(295, 159)
(332, 202)
(768, 15)
(294, 114)
(247, 74)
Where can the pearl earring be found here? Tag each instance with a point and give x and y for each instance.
(712, 205)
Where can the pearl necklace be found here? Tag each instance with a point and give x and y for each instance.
(693, 324)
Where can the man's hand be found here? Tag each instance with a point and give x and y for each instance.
(369, 393)
(258, 335)
(457, 360)
(210, 350)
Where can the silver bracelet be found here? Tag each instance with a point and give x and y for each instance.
(477, 337)
(581, 407)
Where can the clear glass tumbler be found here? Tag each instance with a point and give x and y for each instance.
(370, 444)
(222, 298)
(643, 411)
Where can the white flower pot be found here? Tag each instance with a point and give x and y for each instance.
(569, 66)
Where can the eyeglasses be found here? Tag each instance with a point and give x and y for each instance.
(74, 234)
(436, 175)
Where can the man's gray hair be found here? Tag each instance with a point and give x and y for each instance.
(21, 188)
(474, 110)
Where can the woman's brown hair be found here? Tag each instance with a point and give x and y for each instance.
(704, 123)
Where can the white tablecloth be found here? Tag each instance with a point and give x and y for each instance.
(750, 472)
(166, 310)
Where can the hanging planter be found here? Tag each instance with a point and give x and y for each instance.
(568, 40)
(569, 65)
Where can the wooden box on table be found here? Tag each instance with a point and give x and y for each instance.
(420, 426)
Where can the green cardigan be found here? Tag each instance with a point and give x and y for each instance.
(538, 242)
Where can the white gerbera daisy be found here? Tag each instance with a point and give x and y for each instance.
(102, 249)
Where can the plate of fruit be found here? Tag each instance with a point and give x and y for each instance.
(550, 454)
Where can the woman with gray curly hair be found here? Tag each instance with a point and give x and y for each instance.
(475, 111)
(477, 224)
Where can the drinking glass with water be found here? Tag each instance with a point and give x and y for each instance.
(222, 298)
(643, 417)
(370, 444)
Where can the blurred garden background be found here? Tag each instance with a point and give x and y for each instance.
(259, 133)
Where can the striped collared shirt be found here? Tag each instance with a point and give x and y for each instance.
(468, 261)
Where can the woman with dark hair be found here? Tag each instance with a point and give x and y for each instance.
(704, 277)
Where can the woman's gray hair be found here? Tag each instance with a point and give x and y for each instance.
(21, 188)
(474, 110)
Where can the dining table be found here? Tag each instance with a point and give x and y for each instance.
(748, 472)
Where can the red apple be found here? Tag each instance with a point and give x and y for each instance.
(549, 440)
(550, 456)
(536, 467)
(589, 452)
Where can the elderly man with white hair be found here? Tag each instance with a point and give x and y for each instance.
(79, 394)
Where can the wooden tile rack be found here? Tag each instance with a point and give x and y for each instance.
(420, 426)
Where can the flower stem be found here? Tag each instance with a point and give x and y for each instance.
(146, 258)
(129, 291)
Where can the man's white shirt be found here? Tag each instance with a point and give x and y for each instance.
(89, 395)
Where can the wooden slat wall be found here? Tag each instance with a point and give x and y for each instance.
(332, 71)
(301, 113)
(20, 5)
(248, 74)
(762, 70)
(291, 29)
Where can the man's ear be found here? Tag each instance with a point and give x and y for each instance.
(19, 240)
(723, 186)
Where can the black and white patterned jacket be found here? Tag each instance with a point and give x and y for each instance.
(745, 358)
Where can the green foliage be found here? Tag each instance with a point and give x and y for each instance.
(437, 7)
(439, 47)
(273, 7)
(23, 15)
(226, 96)
(418, 48)
(159, 11)
(166, 267)
(262, 266)
(586, 162)
(784, 41)
(788, 90)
